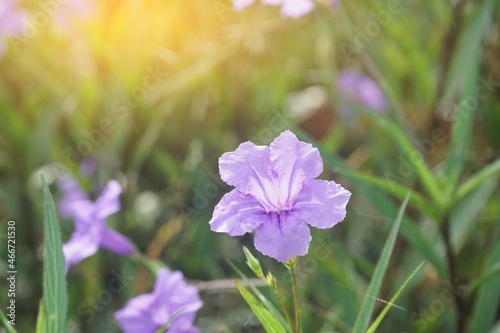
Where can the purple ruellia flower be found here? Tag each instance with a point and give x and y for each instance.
(357, 88)
(91, 231)
(289, 8)
(11, 21)
(277, 195)
(172, 304)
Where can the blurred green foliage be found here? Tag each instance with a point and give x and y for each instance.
(156, 91)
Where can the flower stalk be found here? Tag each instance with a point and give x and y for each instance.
(290, 265)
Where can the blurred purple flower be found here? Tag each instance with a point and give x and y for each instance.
(289, 8)
(277, 195)
(11, 21)
(68, 10)
(91, 231)
(356, 88)
(171, 303)
(88, 167)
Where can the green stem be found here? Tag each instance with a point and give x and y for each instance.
(279, 297)
(150, 264)
(290, 264)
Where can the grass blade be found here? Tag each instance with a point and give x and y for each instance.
(394, 188)
(426, 248)
(268, 321)
(5, 323)
(40, 319)
(413, 155)
(268, 304)
(385, 205)
(368, 304)
(483, 278)
(54, 278)
(462, 80)
(386, 309)
(463, 217)
(488, 300)
(492, 171)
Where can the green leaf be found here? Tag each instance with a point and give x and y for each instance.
(54, 278)
(269, 322)
(389, 305)
(40, 319)
(490, 172)
(387, 185)
(384, 204)
(463, 214)
(462, 80)
(5, 323)
(414, 236)
(368, 304)
(492, 271)
(487, 302)
(269, 305)
(394, 188)
(413, 156)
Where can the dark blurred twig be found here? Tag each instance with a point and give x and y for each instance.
(460, 304)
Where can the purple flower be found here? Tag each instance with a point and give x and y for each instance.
(88, 167)
(356, 88)
(11, 21)
(91, 231)
(289, 8)
(172, 303)
(277, 195)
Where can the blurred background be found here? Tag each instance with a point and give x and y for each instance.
(152, 92)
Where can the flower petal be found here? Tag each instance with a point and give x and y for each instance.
(237, 214)
(295, 161)
(321, 203)
(272, 2)
(73, 196)
(116, 242)
(248, 168)
(109, 201)
(242, 4)
(296, 8)
(183, 300)
(135, 317)
(81, 245)
(284, 236)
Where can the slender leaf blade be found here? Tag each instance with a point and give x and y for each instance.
(54, 278)
(483, 278)
(386, 309)
(488, 300)
(406, 147)
(40, 319)
(268, 321)
(385, 205)
(462, 79)
(268, 304)
(464, 215)
(368, 304)
(394, 188)
(5, 323)
(491, 171)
